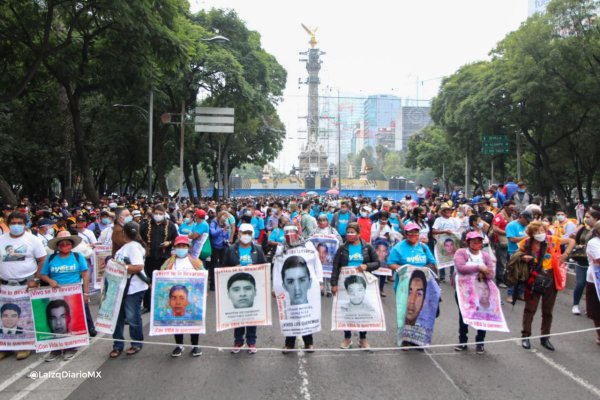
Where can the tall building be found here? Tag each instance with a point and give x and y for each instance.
(411, 119)
(380, 114)
(537, 6)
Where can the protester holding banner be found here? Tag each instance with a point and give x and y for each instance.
(65, 267)
(539, 249)
(131, 254)
(181, 260)
(354, 253)
(411, 251)
(244, 252)
(472, 261)
(21, 254)
(592, 289)
(297, 265)
(445, 230)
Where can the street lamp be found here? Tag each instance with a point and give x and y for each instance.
(148, 116)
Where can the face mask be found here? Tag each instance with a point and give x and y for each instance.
(540, 237)
(158, 217)
(343, 211)
(494, 204)
(459, 214)
(51, 231)
(106, 221)
(487, 196)
(351, 237)
(187, 220)
(561, 218)
(246, 239)
(127, 219)
(475, 246)
(364, 214)
(588, 221)
(480, 225)
(88, 208)
(65, 205)
(180, 253)
(16, 230)
(521, 190)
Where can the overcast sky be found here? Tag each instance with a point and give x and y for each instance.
(373, 47)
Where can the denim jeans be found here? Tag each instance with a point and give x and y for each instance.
(361, 335)
(89, 319)
(382, 279)
(250, 331)
(130, 309)
(501, 260)
(290, 341)
(442, 273)
(580, 273)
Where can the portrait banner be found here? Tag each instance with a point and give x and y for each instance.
(101, 253)
(382, 248)
(115, 279)
(327, 246)
(59, 318)
(445, 248)
(178, 302)
(596, 276)
(357, 304)
(297, 291)
(417, 302)
(17, 331)
(243, 296)
(479, 302)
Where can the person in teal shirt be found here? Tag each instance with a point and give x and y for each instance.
(410, 251)
(188, 223)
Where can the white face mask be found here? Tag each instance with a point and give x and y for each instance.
(364, 214)
(540, 237)
(246, 239)
(158, 217)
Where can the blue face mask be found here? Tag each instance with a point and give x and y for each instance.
(16, 230)
(521, 190)
(106, 221)
(180, 253)
(127, 219)
(187, 220)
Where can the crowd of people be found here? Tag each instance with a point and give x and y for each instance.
(46, 242)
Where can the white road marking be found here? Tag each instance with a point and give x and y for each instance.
(18, 375)
(304, 375)
(563, 370)
(448, 378)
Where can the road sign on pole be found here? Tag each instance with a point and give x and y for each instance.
(214, 120)
(495, 144)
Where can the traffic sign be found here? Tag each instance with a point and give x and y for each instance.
(495, 144)
(215, 120)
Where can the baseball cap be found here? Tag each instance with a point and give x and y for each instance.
(200, 213)
(411, 226)
(527, 215)
(474, 235)
(246, 228)
(182, 239)
(136, 213)
(45, 222)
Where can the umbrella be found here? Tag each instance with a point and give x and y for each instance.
(333, 191)
(311, 193)
(303, 194)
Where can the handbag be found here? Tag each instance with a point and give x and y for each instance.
(559, 269)
(541, 283)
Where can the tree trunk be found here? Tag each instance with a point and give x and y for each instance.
(197, 181)
(82, 155)
(188, 182)
(7, 193)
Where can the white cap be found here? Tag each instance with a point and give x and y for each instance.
(246, 228)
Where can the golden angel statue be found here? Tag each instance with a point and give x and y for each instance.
(311, 32)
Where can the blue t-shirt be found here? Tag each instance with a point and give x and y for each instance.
(343, 221)
(405, 253)
(245, 256)
(394, 223)
(514, 229)
(277, 235)
(200, 228)
(258, 224)
(186, 228)
(66, 270)
(355, 257)
(330, 217)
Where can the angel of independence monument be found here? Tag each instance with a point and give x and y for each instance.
(313, 157)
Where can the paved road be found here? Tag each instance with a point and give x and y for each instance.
(505, 372)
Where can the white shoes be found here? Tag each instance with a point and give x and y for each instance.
(575, 310)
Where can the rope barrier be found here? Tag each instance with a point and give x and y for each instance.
(330, 350)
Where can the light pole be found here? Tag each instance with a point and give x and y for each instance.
(147, 115)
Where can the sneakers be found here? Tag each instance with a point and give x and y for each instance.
(363, 344)
(459, 348)
(575, 310)
(346, 344)
(525, 343)
(69, 353)
(23, 354)
(53, 355)
(252, 349)
(196, 351)
(502, 285)
(177, 351)
(287, 350)
(479, 349)
(237, 347)
(509, 299)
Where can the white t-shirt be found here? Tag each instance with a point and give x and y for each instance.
(18, 256)
(88, 236)
(446, 224)
(106, 236)
(593, 253)
(475, 259)
(135, 252)
(182, 264)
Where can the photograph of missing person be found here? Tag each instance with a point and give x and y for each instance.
(241, 290)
